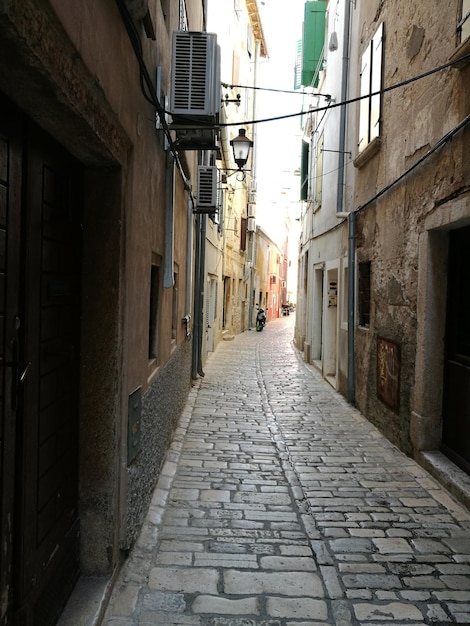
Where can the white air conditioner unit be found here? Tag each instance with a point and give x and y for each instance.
(207, 187)
(252, 197)
(251, 224)
(195, 71)
(251, 210)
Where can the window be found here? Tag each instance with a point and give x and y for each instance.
(319, 171)
(364, 294)
(464, 24)
(243, 229)
(235, 68)
(371, 83)
(154, 311)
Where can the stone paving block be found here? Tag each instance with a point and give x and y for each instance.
(240, 561)
(215, 495)
(184, 580)
(297, 608)
(373, 581)
(289, 564)
(160, 601)
(184, 494)
(392, 612)
(225, 606)
(284, 583)
(392, 545)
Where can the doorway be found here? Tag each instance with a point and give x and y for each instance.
(456, 397)
(40, 207)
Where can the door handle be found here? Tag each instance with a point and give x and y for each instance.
(24, 373)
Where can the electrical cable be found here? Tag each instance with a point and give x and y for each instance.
(441, 142)
(290, 91)
(339, 104)
(147, 84)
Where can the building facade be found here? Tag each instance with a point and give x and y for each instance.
(229, 303)
(382, 297)
(386, 219)
(96, 225)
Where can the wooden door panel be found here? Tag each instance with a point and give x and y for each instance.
(10, 254)
(456, 412)
(40, 233)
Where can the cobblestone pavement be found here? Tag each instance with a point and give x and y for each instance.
(279, 504)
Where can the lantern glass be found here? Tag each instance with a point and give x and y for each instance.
(241, 148)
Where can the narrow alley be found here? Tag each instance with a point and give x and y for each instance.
(279, 504)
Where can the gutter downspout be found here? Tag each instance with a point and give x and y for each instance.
(168, 276)
(252, 234)
(189, 267)
(197, 312)
(351, 384)
(200, 294)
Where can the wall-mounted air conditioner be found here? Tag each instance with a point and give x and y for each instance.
(195, 72)
(251, 210)
(251, 226)
(207, 188)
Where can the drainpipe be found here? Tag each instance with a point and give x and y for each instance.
(197, 326)
(344, 94)
(200, 293)
(351, 384)
(168, 275)
(189, 267)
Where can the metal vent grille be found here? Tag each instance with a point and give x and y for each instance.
(207, 187)
(195, 88)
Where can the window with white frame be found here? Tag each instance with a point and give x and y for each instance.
(370, 112)
(464, 24)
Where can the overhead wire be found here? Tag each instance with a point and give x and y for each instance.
(148, 89)
(332, 104)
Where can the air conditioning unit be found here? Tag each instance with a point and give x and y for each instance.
(195, 71)
(207, 188)
(251, 226)
(251, 210)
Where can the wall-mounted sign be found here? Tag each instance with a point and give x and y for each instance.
(388, 372)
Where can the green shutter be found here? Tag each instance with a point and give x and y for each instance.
(313, 40)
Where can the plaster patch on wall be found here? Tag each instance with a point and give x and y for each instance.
(415, 41)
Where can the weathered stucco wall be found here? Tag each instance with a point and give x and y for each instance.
(414, 118)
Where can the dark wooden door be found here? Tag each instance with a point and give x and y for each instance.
(456, 415)
(43, 302)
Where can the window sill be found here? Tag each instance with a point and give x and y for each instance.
(461, 51)
(368, 152)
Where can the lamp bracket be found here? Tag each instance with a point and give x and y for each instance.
(337, 151)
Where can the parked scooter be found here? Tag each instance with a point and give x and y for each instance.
(260, 320)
